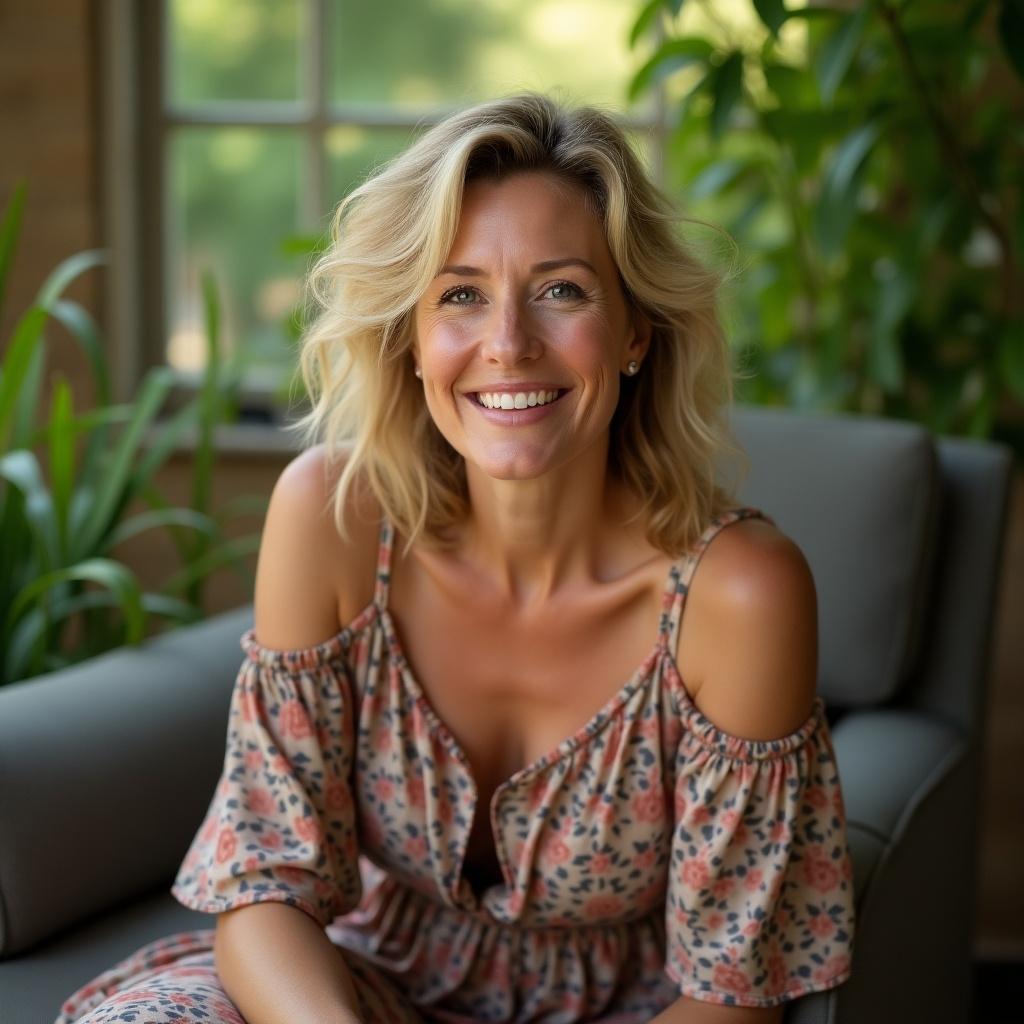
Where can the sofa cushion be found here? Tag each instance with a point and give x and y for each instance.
(860, 496)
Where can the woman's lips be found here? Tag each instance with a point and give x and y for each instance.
(516, 417)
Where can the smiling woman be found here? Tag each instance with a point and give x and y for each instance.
(515, 325)
(477, 755)
(397, 267)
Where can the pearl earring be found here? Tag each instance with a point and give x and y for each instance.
(418, 372)
(632, 366)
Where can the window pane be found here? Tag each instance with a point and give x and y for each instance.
(413, 54)
(353, 152)
(233, 199)
(243, 50)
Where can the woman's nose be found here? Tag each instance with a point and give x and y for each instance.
(510, 334)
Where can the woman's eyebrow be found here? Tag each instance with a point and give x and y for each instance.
(462, 270)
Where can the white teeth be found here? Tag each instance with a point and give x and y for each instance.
(516, 400)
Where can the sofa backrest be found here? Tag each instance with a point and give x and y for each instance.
(860, 496)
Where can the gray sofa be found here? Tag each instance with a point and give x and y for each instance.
(106, 768)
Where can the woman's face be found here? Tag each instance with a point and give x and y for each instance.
(528, 312)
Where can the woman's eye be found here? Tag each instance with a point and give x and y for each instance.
(458, 296)
(567, 288)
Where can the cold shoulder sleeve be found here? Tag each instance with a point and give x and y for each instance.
(760, 903)
(281, 824)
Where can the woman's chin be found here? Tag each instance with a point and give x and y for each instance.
(523, 463)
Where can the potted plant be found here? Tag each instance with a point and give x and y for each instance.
(59, 527)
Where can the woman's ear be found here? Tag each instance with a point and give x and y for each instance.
(640, 333)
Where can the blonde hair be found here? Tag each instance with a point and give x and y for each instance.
(391, 235)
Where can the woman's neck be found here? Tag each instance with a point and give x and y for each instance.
(535, 538)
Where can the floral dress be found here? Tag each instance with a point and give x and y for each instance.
(649, 855)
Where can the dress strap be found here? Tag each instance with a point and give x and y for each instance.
(681, 573)
(382, 582)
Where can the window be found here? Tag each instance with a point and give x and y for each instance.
(256, 116)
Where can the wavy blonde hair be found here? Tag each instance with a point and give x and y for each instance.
(389, 238)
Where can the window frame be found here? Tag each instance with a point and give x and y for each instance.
(136, 123)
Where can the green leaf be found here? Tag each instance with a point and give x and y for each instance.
(671, 56)
(714, 178)
(645, 19)
(27, 405)
(82, 328)
(113, 575)
(773, 13)
(9, 235)
(226, 554)
(65, 272)
(62, 456)
(21, 469)
(112, 490)
(726, 87)
(24, 648)
(154, 604)
(161, 517)
(833, 61)
(675, 6)
(1011, 359)
(838, 201)
(159, 445)
(755, 204)
(17, 367)
(171, 607)
(787, 82)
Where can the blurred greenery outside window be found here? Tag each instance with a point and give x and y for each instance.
(272, 110)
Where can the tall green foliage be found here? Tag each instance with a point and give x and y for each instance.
(58, 529)
(867, 158)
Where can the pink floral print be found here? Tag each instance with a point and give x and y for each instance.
(650, 854)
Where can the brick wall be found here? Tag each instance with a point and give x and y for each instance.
(48, 137)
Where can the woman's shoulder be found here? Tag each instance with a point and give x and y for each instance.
(310, 580)
(750, 631)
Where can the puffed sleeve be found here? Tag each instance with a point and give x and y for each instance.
(282, 823)
(760, 903)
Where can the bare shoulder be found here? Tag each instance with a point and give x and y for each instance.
(751, 620)
(309, 580)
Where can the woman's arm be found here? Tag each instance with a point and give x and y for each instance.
(277, 964)
(754, 609)
(275, 961)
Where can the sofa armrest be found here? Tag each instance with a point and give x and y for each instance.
(909, 781)
(106, 769)
(889, 760)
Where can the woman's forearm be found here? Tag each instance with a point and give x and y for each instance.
(278, 965)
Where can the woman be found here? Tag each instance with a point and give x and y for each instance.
(514, 782)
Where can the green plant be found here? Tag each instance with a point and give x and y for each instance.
(58, 531)
(866, 157)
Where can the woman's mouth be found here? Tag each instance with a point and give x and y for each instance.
(507, 401)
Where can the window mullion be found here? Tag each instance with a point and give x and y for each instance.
(315, 45)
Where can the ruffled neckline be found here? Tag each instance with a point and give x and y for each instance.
(334, 649)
